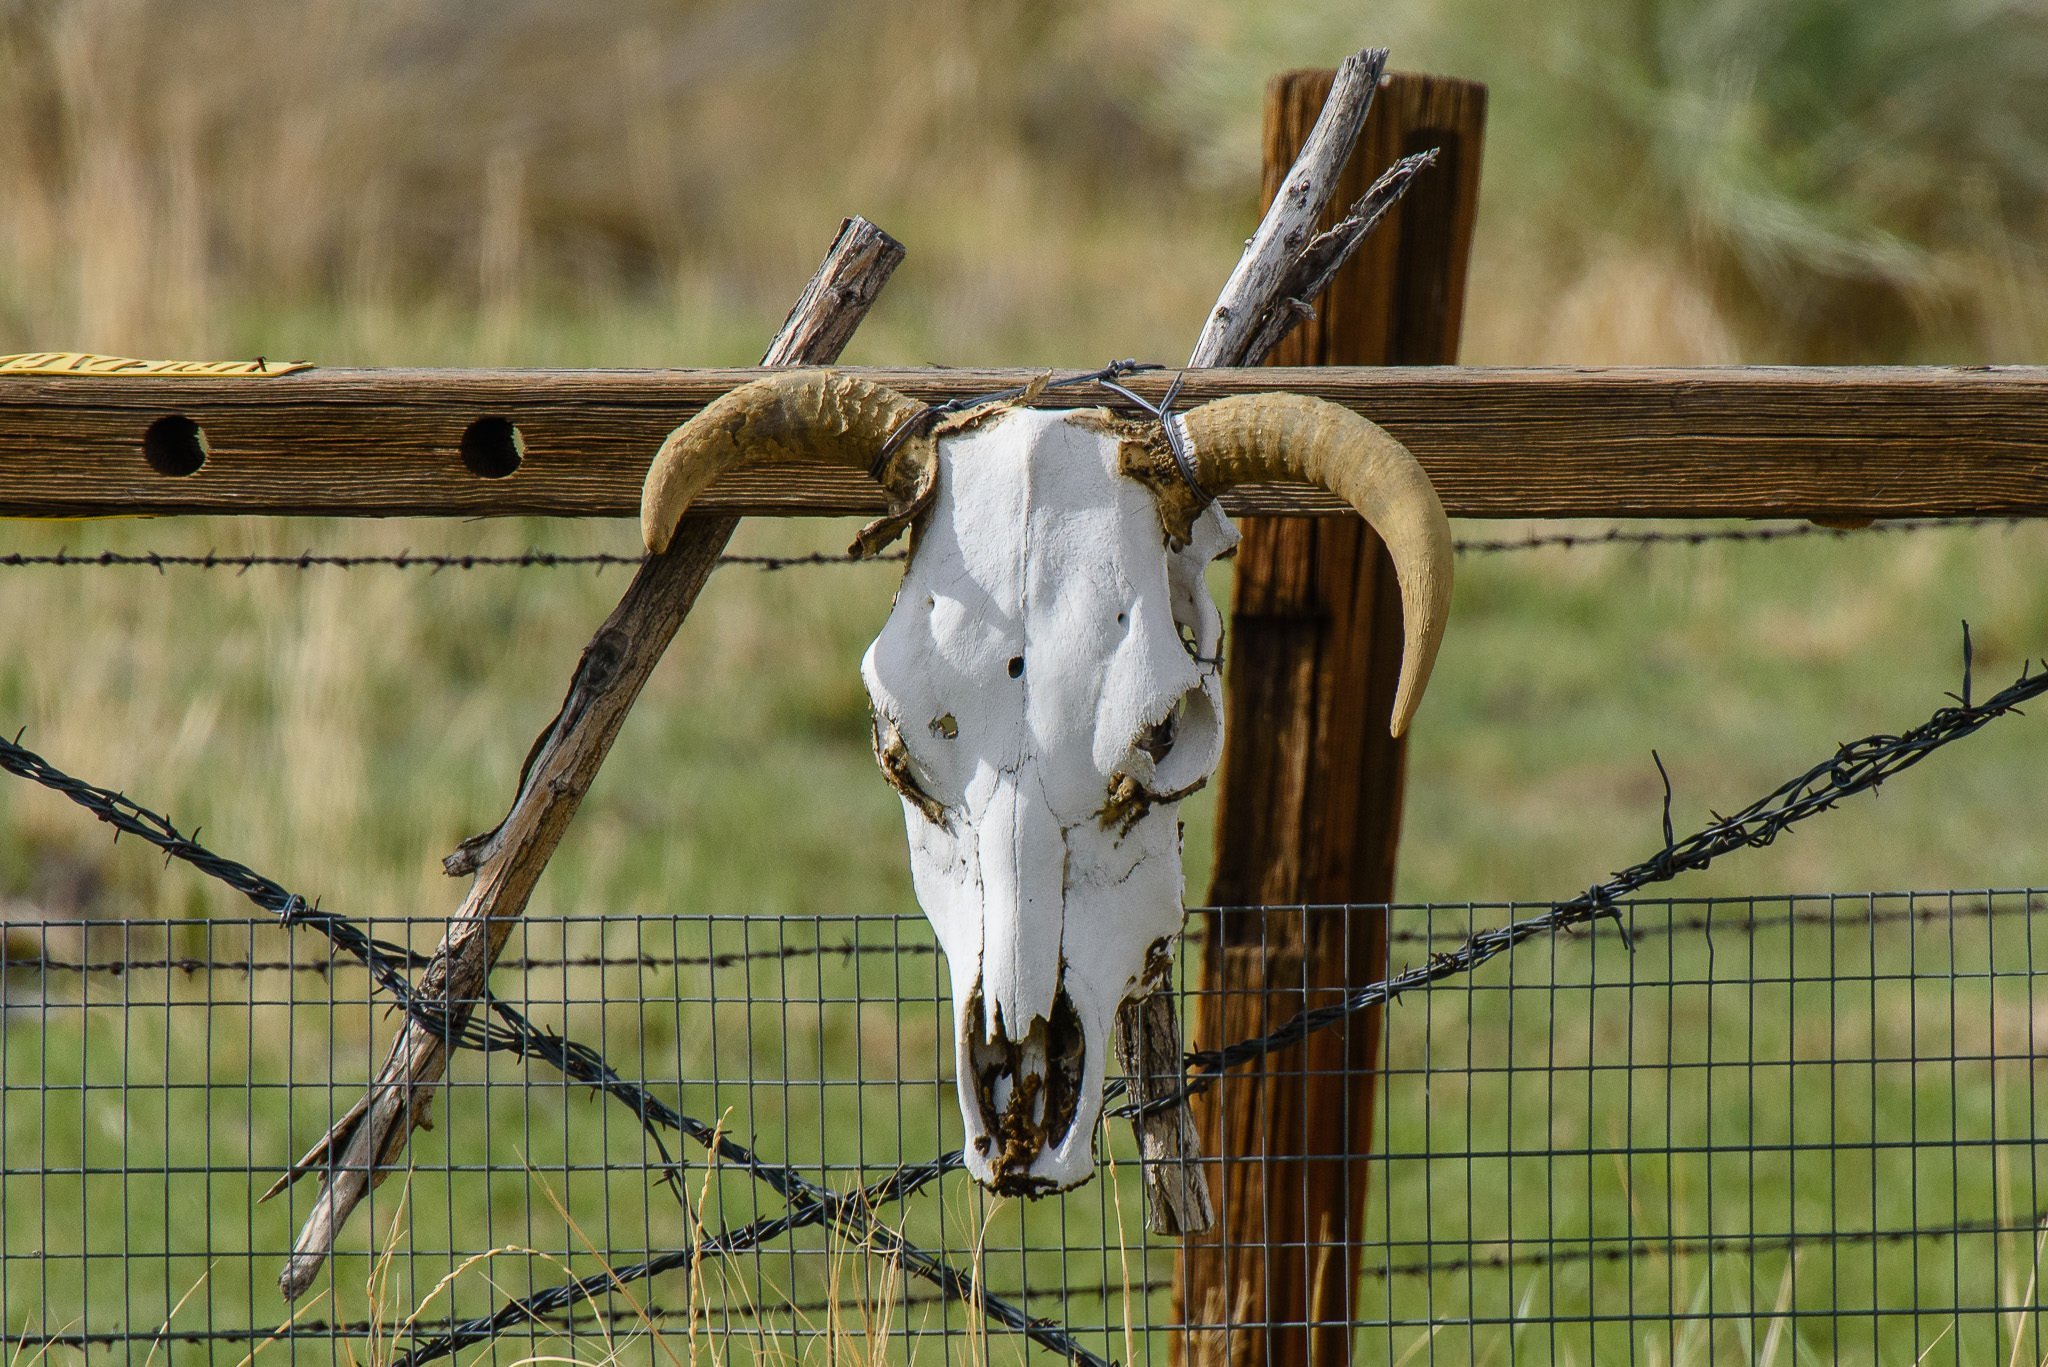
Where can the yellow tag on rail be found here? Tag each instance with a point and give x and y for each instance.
(85, 363)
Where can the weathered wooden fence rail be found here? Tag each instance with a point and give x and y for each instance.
(1724, 442)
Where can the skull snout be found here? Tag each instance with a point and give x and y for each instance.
(1026, 1094)
(1023, 1043)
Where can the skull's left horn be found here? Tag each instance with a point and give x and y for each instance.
(808, 415)
(1292, 436)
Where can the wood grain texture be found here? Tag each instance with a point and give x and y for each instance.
(1150, 1052)
(1738, 442)
(1309, 803)
(361, 1149)
(1328, 252)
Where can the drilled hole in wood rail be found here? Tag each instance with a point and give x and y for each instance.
(175, 445)
(492, 448)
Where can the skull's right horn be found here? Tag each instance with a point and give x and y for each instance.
(1292, 436)
(806, 415)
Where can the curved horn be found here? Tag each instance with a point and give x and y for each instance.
(1278, 436)
(811, 415)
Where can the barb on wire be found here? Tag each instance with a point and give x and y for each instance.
(1854, 768)
(851, 1212)
(1701, 536)
(511, 1033)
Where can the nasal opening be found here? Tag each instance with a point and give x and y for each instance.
(1027, 1091)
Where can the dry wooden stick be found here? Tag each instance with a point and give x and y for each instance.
(1284, 267)
(365, 1145)
(1260, 283)
(1317, 264)
(1151, 1055)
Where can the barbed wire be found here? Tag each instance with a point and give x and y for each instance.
(438, 561)
(1951, 906)
(569, 1319)
(808, 1203)
(1702, 536)
(898, 1185)
(400, 560)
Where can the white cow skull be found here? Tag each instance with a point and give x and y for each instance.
(1048, 688)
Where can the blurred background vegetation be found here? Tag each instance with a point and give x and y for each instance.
(637, 183)
(649, 182)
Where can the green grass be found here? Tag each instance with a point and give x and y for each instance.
(340, 730)
(1768, 1083)
(1738, 1047)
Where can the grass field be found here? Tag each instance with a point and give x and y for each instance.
(1688, 183)
(1846, 1071)
(340, 730)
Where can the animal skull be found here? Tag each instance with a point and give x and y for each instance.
(1047, 689)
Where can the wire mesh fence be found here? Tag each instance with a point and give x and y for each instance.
(1757, 1129)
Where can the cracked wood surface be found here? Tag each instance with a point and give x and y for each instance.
(1286, 267)
(364, 1146)
(1652, 442)
(1150, 1053)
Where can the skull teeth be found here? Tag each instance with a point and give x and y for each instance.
(1027, 1091)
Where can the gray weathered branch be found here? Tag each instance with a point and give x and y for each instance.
(1310, 273)
(1149, 1050)
(365, 1145)
(1255, 287)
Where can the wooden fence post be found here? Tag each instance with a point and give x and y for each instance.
(1309, 810)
